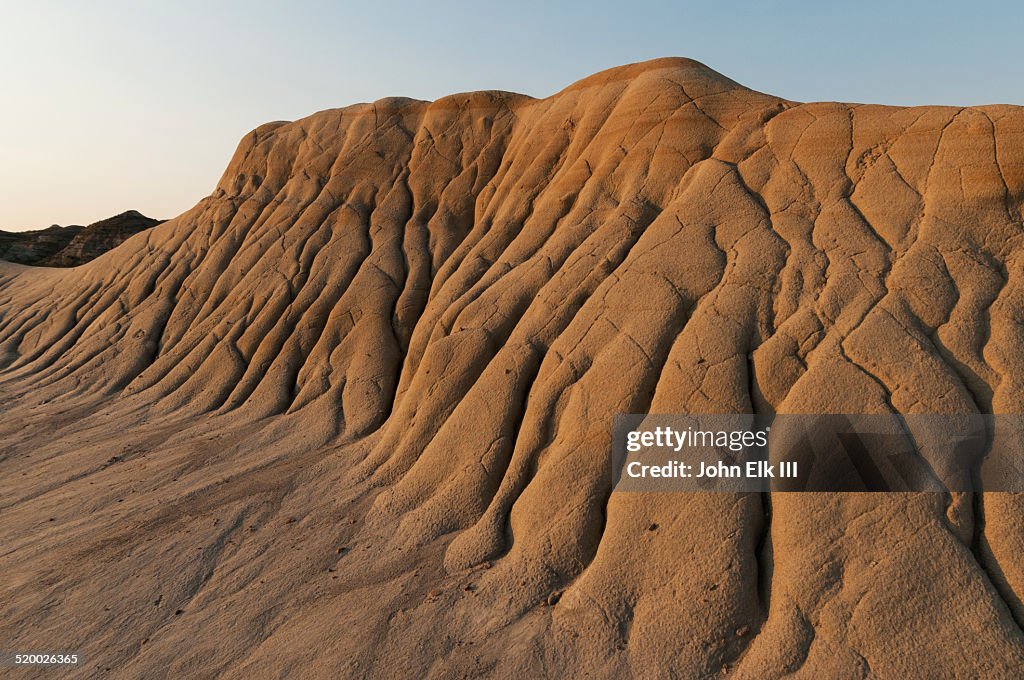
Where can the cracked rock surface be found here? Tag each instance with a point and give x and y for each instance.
(350, 415)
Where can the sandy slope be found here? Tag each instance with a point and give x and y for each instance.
(350, 414)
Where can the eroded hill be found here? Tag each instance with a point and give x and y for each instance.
(350, 415)
(71, 246)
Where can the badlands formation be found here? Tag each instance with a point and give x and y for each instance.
(71, 246)
(350, 415)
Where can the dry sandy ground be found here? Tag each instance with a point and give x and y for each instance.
(350, 415)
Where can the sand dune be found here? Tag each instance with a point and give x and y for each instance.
(350, 415)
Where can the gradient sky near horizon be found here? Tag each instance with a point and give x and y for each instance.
(110, 105)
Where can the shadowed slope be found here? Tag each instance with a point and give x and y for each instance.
(368, 384)
(74, 245)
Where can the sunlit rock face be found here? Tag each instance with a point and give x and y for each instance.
(351, 413)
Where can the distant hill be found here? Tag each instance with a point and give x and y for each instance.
(73, 245)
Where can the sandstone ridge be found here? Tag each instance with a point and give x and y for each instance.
(351, 413)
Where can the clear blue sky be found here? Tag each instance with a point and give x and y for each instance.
(112, 105)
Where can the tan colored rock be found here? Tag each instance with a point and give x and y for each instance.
(410, 323)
